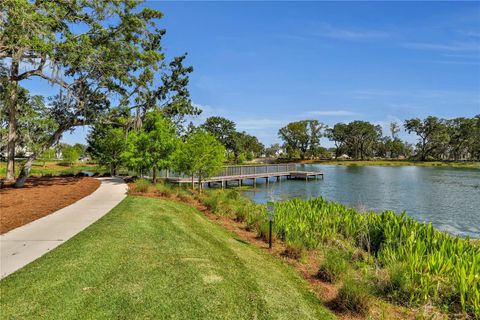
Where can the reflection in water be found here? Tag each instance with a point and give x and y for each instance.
(448, 197)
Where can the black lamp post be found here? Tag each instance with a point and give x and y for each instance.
(271, 214)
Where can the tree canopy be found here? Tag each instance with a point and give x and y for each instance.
(117, 52)
(201, 155)
(106, 145)
(241, 144)
(153, 146)
(302, 138)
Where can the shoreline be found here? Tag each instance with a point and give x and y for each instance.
(396, 163)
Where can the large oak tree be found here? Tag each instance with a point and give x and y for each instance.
(100, 55)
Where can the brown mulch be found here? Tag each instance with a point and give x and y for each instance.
(40, 197)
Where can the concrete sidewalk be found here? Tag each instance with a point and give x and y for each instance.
(24, 244)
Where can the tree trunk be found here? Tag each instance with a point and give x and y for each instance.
(25, 171)
(12, 121)
(154, 174)
(113, 169)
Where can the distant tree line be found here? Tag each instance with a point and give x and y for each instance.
(437, 139)
(240, 146)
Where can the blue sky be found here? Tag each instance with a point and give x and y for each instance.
(264, 64)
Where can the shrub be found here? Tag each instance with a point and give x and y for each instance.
(233, 195)
(353, 297)
(163, 189)
(211, 201)
(334, 266)
(395, 283)
(185, 197)
(294, 251)
(142, 185)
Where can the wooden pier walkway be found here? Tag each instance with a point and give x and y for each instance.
(237, 174)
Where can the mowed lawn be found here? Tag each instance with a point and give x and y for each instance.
(150, 258)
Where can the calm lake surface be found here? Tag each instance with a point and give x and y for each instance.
(448, 197)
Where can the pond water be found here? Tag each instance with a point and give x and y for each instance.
(448, 197)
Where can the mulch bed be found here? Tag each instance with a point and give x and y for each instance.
(40, 197)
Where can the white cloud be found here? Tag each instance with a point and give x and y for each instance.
(329, 31)
(454, 47)
(332, 113)
(258, 124)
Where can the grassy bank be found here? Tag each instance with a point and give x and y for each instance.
(453, 164)
(367, 255)
(151, 258)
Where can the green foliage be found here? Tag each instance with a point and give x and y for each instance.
(396, 282)
(334, 266)
(106, 145)
(153, 146)
(422, 265)
(150, 258)
(48, 155)
(302, 138)
(163, 189)
(70, 154)
(273, 150)
(358, 139)
(434, 259)
(34, 121)
(119, 38)
(241, 158)
(354, 297)
(200, 155)
(250, 155)
(238, 143)
(81, 148)
(432, 133)
(245, 143)
(142, 185)
(222, 129)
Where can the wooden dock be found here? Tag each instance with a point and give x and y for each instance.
(237, 174)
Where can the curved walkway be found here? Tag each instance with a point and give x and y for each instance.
(27, 243)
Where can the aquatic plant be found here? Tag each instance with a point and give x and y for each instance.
(441, 268)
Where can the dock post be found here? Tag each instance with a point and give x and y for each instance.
(266, 180)
(254, 182)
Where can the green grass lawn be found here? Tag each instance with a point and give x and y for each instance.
(150, 258)
(52, 168)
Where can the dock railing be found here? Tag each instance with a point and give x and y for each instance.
(238, 170)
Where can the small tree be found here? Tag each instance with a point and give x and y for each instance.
(152, 147)
(81, 148)
(106, 145)
(70, 155)
(241, 158)
(48, 155)
(250, 155)
(201, 155)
